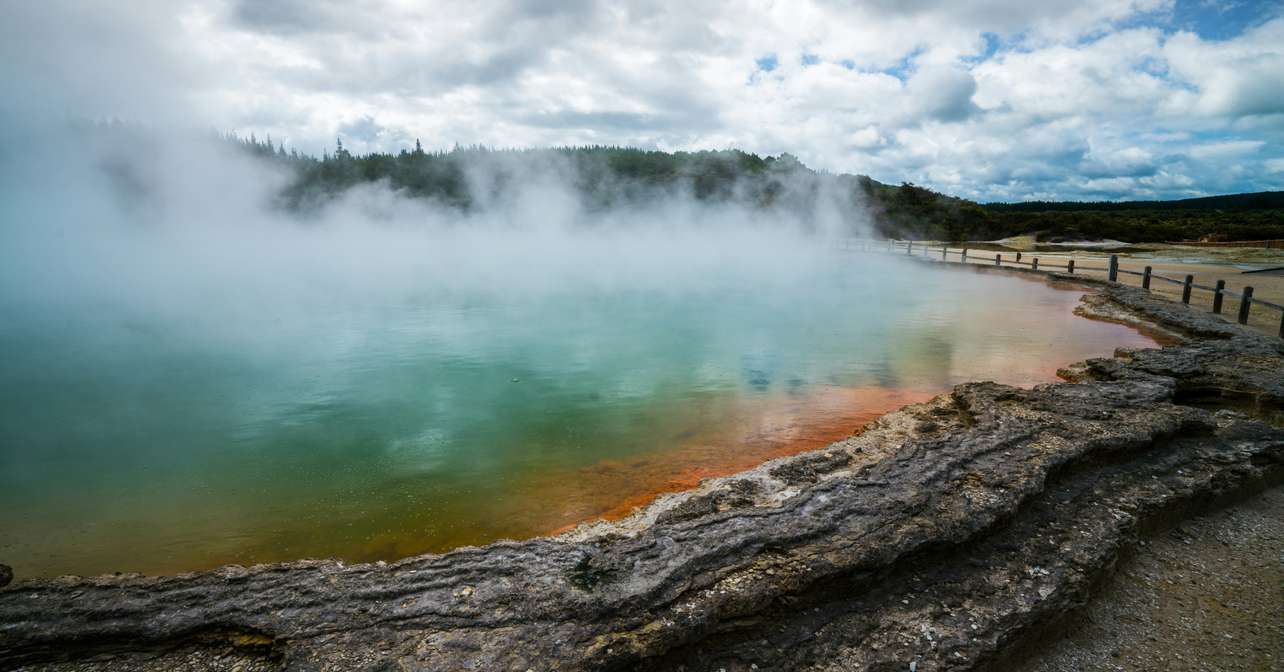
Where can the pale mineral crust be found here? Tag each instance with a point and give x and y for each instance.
(947, 535)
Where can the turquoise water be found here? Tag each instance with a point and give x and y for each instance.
(375, 429)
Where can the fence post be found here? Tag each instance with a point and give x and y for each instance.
(889, 244)
(1034, 266)
(944, 249)
(1018, 259)
(1145, 278)
(1114, 268)
(998, 259)
(1245, 302)
(965, 255)
(1185, 289)
(1070, 266)
(909, 247)
(1217, 297)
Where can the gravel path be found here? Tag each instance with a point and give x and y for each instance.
(1206, 595)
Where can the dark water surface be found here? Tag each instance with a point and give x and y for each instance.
(368, 430)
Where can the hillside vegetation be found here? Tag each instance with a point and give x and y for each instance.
(467, 178)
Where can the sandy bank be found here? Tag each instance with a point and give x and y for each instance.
(1265, 287)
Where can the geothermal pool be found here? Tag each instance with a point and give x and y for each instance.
(377, 429)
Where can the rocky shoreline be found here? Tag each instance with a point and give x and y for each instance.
(946, 536)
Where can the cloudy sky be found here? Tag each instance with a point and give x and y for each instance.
(993, 99)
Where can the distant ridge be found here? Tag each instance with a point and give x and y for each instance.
(1261, 200)
(602, 177)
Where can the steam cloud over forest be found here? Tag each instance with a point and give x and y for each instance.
(147, 220)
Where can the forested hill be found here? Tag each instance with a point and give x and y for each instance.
(1262, 200)
(467, 178)
(604, 177)
(1258, 216)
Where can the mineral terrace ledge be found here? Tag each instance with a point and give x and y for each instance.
(944, 535)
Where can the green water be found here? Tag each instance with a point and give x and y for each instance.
(372, 430)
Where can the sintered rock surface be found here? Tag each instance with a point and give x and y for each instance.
(943, 535)
(1204, 595)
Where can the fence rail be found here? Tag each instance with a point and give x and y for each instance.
(1112, 271)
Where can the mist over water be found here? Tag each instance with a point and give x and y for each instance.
(194, 375)
(149, 221)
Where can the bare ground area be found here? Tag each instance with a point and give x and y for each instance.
(1205, 595)
(1092, 264)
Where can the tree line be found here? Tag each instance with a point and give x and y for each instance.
(609, 176)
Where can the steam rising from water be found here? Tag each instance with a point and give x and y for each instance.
(147, 225)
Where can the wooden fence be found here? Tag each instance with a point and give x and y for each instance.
(1112, 271)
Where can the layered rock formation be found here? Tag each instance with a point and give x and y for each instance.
(943, 537)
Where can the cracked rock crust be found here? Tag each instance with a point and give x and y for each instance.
(945, 535)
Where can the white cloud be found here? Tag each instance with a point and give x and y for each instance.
(1234, 78)
(1224, 150)
(942, 93)
(990, 99)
